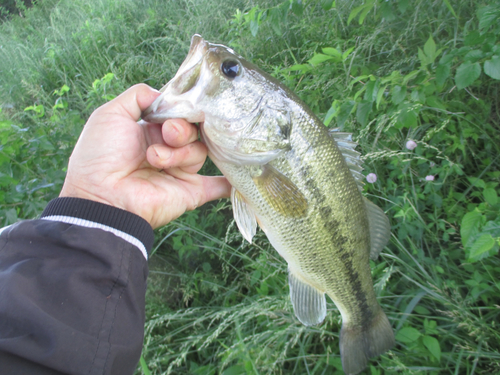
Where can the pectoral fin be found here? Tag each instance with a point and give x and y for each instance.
(280, 192)
(309, 303)
(380, 228)
(243, 215)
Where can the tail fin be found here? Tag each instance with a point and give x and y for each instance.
(359, 344)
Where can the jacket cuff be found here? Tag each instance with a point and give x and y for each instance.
(91, 214)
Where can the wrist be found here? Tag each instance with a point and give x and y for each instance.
(111, 198)
(70, 191)
(92, 214)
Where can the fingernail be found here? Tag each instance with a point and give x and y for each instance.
(174, 127)
(162, 153)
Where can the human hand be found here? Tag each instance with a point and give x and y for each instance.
(147, 169)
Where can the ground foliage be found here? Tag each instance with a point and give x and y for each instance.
(392, 72)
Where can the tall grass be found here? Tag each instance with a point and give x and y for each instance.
(218, 305)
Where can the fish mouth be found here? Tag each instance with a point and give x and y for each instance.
(171, 103)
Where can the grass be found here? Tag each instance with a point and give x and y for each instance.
(407, 70)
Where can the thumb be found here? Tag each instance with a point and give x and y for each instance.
(131, 102)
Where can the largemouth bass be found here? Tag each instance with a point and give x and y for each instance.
(297, 180)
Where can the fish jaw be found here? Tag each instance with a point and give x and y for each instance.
(181, 94)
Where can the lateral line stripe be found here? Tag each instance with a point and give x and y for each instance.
(91, 224)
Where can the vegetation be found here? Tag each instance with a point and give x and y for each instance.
(416, 81)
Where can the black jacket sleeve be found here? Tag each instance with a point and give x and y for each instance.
(72, 289)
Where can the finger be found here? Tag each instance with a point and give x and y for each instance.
(215, 187)
(179, 132)
(202, 189)
(152, 133)
(165, 157)
(131, 102)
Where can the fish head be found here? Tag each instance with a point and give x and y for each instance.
(242, 111)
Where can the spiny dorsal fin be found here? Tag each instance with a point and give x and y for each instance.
(243, 215)
(380, 228)
(346, 147)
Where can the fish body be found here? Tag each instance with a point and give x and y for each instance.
(299, 181)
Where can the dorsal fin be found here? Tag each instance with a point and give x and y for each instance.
(346, 147)
(380, 228)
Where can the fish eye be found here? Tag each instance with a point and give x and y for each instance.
(230, 68)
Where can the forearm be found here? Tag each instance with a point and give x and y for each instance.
(72, 288)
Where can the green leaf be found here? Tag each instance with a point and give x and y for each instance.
(470, 224)
(474, 38)
(255, 277)
(344, 112)
(477, 182)
(144, 366)
(254, 27)
(466, 74)
(398, 94)
(235, 370)
(319, 58)
(372, 90)
(442, 73)
(64, 89)
(327, 4)
(480, 246)
(10, 216)
(331, 112)
(354, 13)
(38, 109)
(430, 49)
(491, 196)
(297, 7)
(432, 344)
(365, 11)
(363, 111)
(424, 61)
(332, 52)
(380, 95)
(410, 76)
(407, 335)
(403, 5)
(487, 16)
(347, 53)
(264, 289)
(450, 8)
(275, 20)
(474, 56)
(387, 11)
(435, 102)
(407, 118)
(492, 67)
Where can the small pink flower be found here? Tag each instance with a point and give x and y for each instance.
(411, 145)
(429, 178)
(371, 178)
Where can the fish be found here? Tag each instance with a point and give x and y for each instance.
(299, 181)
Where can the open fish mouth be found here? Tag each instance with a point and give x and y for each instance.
(171, 103)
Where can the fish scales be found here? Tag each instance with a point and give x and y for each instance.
(289, 176)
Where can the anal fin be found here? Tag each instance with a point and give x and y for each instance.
(309, 303)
